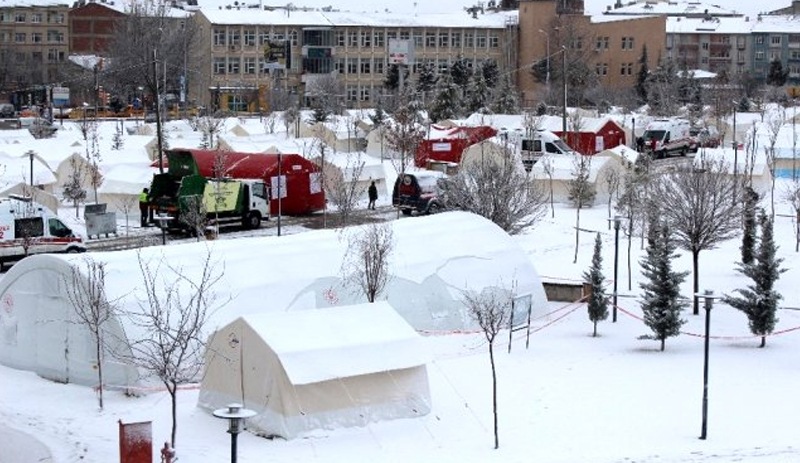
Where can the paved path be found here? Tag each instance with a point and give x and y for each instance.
(19, 447)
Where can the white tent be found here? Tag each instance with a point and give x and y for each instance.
(434, 260)
(318, 369)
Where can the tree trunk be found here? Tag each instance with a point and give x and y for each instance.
(663, 342)
(173, 394)
(577, 232)
(630, 235)
(763, 341)
(494, 395)
(98, 348)
(695, 282)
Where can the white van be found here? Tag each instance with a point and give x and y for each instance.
(663, 137)
(28, 228)
(543, 142)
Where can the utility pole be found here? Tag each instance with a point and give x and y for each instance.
(564, 81)
(158, 116)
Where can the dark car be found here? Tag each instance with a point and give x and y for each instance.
(7, 110)
(417, 192)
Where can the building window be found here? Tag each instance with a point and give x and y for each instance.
(576, 43)
(36, 37)
(601, 69)
(405, 35)
(219, 37)
(627, 43)
(19, 37)
(19, 17)
(366, 66)
(759, 56)
(775, 40)
(352, 66)
(380, 65)
(442, 66)
(352, 93)
(364, 94)
(602, 43)
(36, 57)
(430, 40)
(379, 40)
(233, 37)
(5, 17)
(455, 39)
(339, 65)
(759, 40)
(794, 70)
(418, 40)
(55, 18)
(36, 18)
(391, 35)
(480, 41)
(250, 37)
(794, 38)
(444, 39)
(293, 35)
(233, 65)
(249, 65)
(705, 45)
(626, 69)
(352, 39)
(775, 56)
(794, 54)
(494, 41)
(340, 38)
(366, 39)
(469, 39)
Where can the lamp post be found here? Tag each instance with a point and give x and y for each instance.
(735, 147)
(564, 81)
(547, 79)
(633, 133)
(235, 414)
(709, 303)
(617, 223)
(31, 154)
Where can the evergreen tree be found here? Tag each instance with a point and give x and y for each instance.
(392, 79)
(446, 103)
(759, 301)
(661, 305)
(598, 299)
(460, 71)
(641, 77)
(776, 76)
(426, 78)
(490, 72)
(505, 99)
(749, 236)
(478, 94)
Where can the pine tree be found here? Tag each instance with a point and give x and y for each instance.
(478, 94)
(776, 76)
(504, 99)
(749, 236)
(461, 72)
(446, 103)
(661, 305)
(598, 299)
(759, 301)
(426, 78)
(641, 77)
(491, 72)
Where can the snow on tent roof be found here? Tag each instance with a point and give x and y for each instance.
(312, 343)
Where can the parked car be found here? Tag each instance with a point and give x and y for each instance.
(7, 110)
(417, 192)
(704, 137)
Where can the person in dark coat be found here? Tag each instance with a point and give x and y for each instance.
(373, 195)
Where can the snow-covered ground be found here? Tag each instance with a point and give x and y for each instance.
(568, 397)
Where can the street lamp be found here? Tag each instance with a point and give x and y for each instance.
(547, 79)
(709, 297)
(235, 414)
(31, 154)
(735, 147)
(617, 223)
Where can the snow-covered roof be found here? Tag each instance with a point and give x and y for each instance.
(564, 166)
(669, 8)
(311, 343)
(722, 25)
(775, 24)
(247, 16)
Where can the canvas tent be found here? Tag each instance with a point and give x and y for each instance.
(434, 260)
(318, 369)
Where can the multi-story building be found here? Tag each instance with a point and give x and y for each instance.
(33, 44)
(611, 46)
(92, 26)
(714, 44)
(354, 46)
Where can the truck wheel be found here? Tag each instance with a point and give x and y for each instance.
(434, 208)
(74, 250)
(252, 221)
(406, 211)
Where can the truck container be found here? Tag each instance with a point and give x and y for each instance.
(28, 228)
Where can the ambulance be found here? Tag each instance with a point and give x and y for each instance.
(28, 228)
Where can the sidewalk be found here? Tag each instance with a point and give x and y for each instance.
(19, 447)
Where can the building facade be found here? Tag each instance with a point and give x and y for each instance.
(92, 26)
(239, 50)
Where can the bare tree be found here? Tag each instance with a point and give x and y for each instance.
(126, 204)
(193, 214)
(326, 95)
(491, 309)
(172, 314)
(774, 123)
(581, 191)
(342, 186)
(291, 117)
(366, 264)
(269, 121)
(85, 287)
(404, 135)
(73, 188)
(497, 189)
(210, 127)
(701, 206)
(792, 196)
(612, 181)
(549, 170)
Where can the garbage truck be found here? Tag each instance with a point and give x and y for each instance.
(182, 204)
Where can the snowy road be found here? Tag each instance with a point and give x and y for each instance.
(18, 447)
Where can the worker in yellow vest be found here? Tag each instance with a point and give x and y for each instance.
(145, 212)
